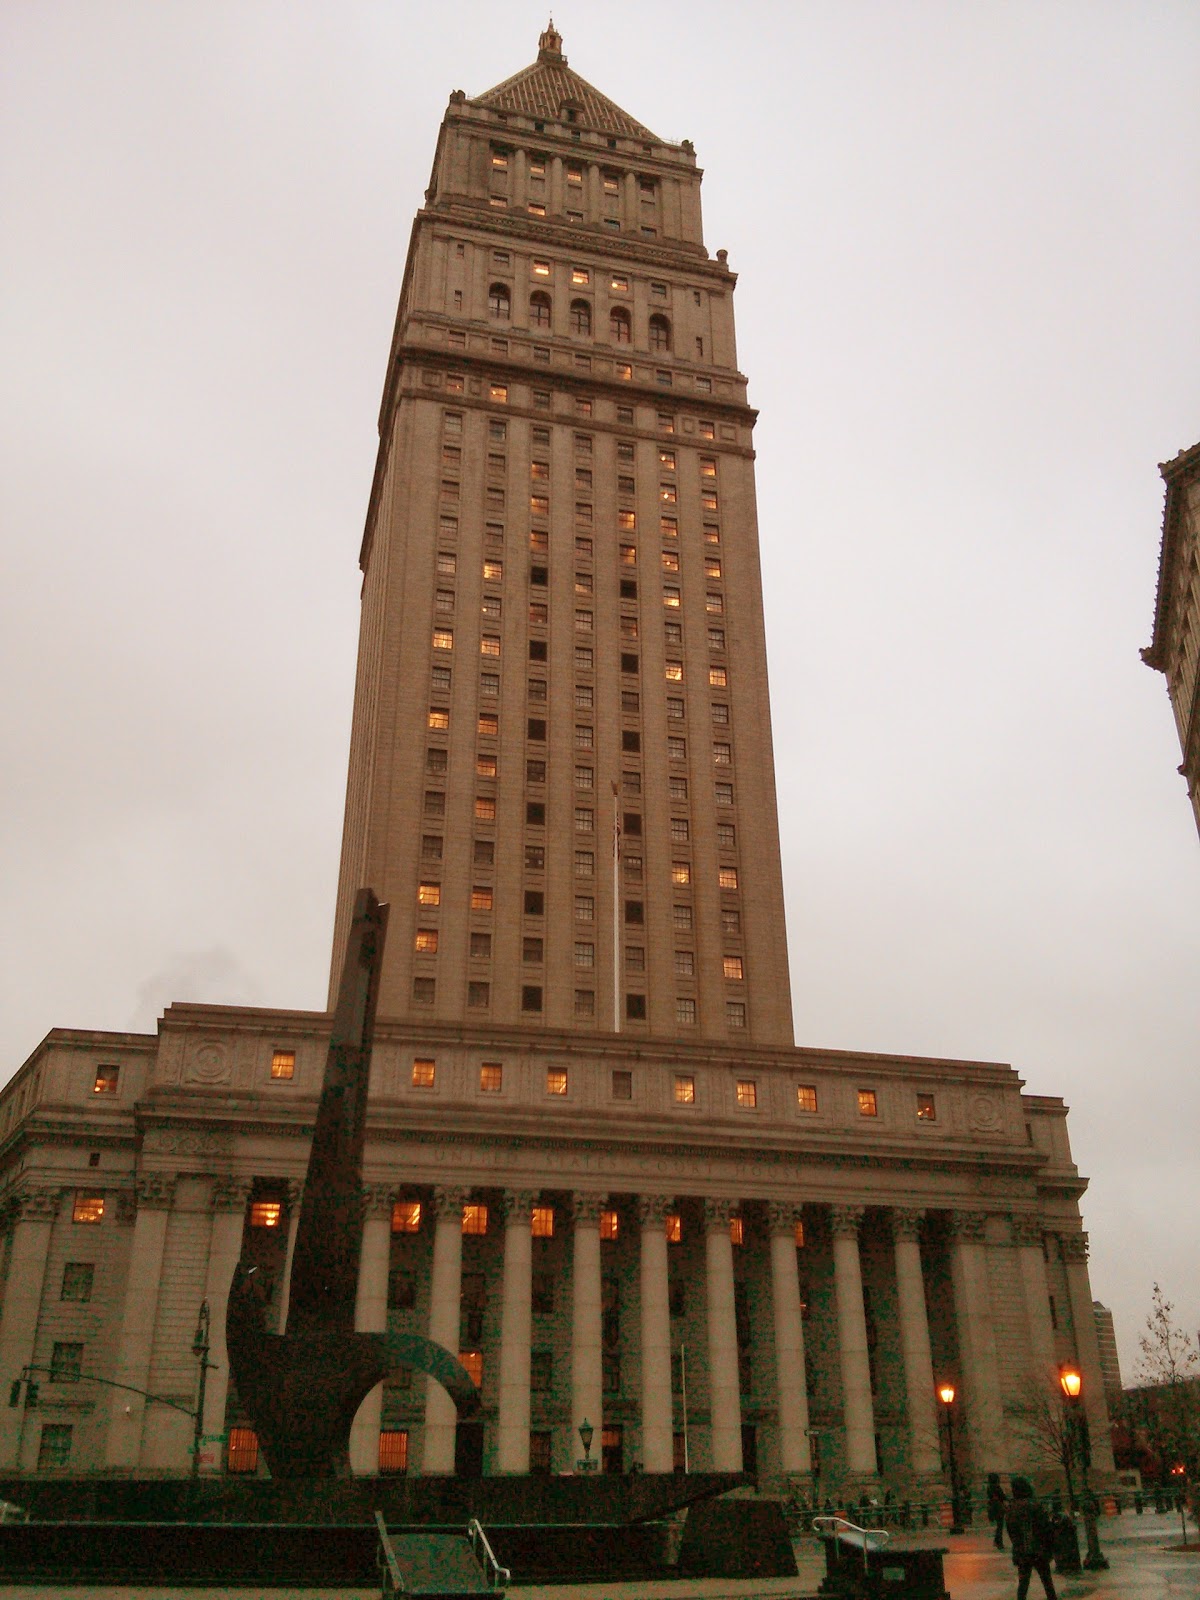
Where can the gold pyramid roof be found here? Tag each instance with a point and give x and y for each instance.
(548, 89)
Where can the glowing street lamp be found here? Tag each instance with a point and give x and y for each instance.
(1074, 1437)
(945, 1394)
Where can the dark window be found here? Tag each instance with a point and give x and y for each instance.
(535, 903)
(537, 650)
(581, 317)
(542, 1298)
(628, 589)
(535, 812)
(629, 663)
(539, 1454)
(622, 1084)
(539, 309)
(631, 822)
(635, 1004)
(630, 740)
(77, 1280)
(660, 332)
(539, 577)
(541, 1371)
(498, 301)
(619, 325)
(531, 997)
(66, 1363)
(536, 729)
(635, 913)
(402, 1290)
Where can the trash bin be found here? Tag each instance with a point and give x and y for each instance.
(1066, 1545)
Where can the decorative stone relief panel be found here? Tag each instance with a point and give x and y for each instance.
(207, 1062)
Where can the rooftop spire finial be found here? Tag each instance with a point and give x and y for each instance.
(550, 44)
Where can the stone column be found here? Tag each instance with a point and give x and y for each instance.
(126, 1411)
(516, 1333)
(724, 1391)
(1028, 1237)
(791, 1389)
(587, 1368)
(35, 1211)
(445, 1292)
(977, 1342)
(228, 1203)
(370, 1316)
(295, 1199)
(924, 1450)
(657, 1407)
(857, 1406)
(1087, 1349)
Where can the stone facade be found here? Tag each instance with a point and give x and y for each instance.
(1175, 648)
(596, 1164)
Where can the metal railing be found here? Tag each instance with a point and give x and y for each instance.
(850, 1533)
(389, 1571)
(498, 1577)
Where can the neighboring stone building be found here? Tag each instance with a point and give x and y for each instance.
(1175, 647)
(596, 1164)
(1110, 1360)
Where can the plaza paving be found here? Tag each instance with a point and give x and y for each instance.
(1145, 1564)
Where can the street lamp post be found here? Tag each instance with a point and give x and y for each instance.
(946, 1396)
(586, 1434)
(200, 1348)
(1071, 1382)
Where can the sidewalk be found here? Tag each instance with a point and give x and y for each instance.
(1145, 1564)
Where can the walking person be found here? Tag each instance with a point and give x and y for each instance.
(1032, 1539)
(996, 1502)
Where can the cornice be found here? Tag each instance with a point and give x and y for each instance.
(513, 226)
(1177, 474)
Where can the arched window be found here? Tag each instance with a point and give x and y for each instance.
(539, 309)
(581, 317)
(619, 326)
(498, 301)
(660, 332)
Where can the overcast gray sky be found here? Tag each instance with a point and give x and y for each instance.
(969, 246)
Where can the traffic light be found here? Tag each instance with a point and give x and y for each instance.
(14, 1393)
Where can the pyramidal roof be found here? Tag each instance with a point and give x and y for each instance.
(548, 89)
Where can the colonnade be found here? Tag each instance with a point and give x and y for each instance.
(975, 1340)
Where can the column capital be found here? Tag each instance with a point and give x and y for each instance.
(230, 1193)
(586, 1208)
(783, 1215)
(844, 1221)
(1027, 1230)
(654, 1209)
(717, 1214)
(906, 1222)
(156, 1191)
(126, 1207)
(293, 1193)
(968, 1226)
(36, 1204)
(516, 1207)
(1074, 1247)
(378, 1199)
(447, 1203)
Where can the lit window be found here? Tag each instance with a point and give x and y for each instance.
(485, 808)
(685, 1011)
(717, 677)
(926, 1108)
(732, 967)
(541, 269)
(722, 754)
(475, 1219)
(799, 1235)
(727, 878)
(737, 1231)
(536, 208)
(489, 645)
(491, 1077)
(423, 1073)
(425, 941)
(670, 561)
(542, 1222)
(499, 393)
(88, 1208)
(685, 1089)
(668, 493)
(747, 1093)
(714, 604)
(443, 639)
(672, 598)
(439, 718)
(681, 872)
(609, 1227)
(241, 1454)
(429, 894)
(481, 897)
(868, 1104)
(556, 1080)
(472, 1360)
(393, 1451)
(107, 1079)
(406, 1216)
(265, 1213)
(668, 527)
(674, 672)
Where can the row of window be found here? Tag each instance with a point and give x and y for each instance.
(452, 424)
(580, 319)
(540, 399)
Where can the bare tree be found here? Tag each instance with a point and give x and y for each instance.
(1169, 1372)
(1040, 1418)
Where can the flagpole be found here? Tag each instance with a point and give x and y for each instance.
(616, 903)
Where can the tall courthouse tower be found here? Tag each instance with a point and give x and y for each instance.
(562, 628)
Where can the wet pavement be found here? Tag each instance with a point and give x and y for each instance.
(1145, 1563)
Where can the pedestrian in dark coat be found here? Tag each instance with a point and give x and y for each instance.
(1032, 1539)
(996, 1502)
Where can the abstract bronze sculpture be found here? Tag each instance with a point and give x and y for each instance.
(302, 1387)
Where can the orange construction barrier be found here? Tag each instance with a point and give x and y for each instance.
(1109, 1506)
